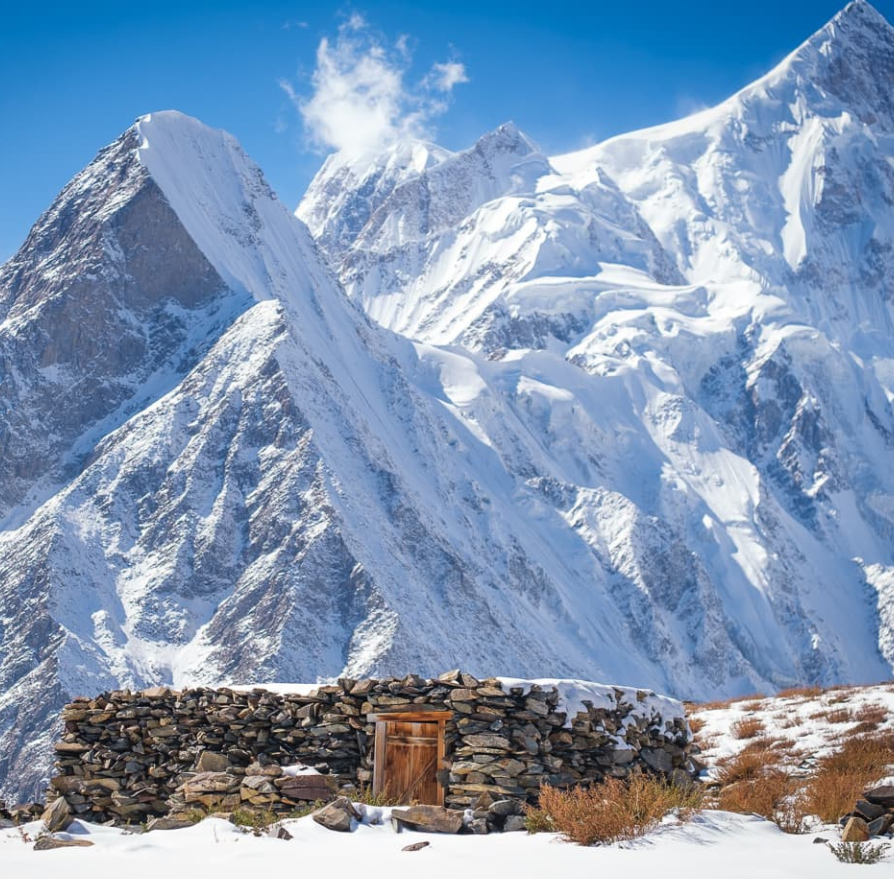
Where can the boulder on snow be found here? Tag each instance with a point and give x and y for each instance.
(169, 822)
(856, 830)
(337, 815)
(57, 816)
(46, 843)
(429, 819)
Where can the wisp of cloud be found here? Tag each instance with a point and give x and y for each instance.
(361, 99)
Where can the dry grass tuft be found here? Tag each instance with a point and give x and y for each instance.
(747, 728)
(696, 725)
(840, 778)
(613, 810)
(800, 693)
(833, 715)
(747, 765)
(755, 698)
(872, 713)
(777, 744)
(754, 782)
(864, 728)
(763, 795)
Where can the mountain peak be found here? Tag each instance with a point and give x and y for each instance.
(860, 13)
(851, 59)
(507, 138)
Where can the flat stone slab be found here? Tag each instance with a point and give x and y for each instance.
(169, 822)
(429, 819)
(881, 796)
(47, 843)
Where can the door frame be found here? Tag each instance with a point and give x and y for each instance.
(382, 718)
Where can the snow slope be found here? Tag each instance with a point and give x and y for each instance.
(713, 843)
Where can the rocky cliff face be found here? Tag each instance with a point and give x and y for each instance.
(642, 432)
(107, 302)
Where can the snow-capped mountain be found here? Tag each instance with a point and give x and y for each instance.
(619, 415)
(722, 287)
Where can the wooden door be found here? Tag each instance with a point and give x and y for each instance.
(407, 757)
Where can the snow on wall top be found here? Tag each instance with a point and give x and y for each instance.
(573, 696)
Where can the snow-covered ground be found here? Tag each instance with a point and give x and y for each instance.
(713, 843)
(806, 725)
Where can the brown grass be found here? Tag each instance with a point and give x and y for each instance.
(800, 693)
(863, 728)
(747, 728)
(833, 715)
(872, 713)
(696, 724)
(747, 765)
(762, 795)
(779, 745)
(613, 810)
(708, 742)
(725, 703)
(841, 778)
(754, 782)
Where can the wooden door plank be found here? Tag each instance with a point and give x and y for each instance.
(379, 760)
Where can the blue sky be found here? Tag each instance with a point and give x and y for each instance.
(73, 76)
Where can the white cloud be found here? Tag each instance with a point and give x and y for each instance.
(361, 99)
(446, 76)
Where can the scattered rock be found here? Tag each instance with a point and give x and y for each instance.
(478, 826)
(282, 833)
(869, 811)
(416, 846)
(337, 815)
(881, 796)
(856, 830)
(657, 759)
(514, 823)
(169, 822)
(429, 819)
(880, 825)
(45, 843)
(57, 815)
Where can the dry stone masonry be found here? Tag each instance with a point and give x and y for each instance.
(127, 757)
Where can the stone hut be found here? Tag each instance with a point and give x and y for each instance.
(454, 741)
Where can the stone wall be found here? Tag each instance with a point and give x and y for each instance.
(128, 756)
